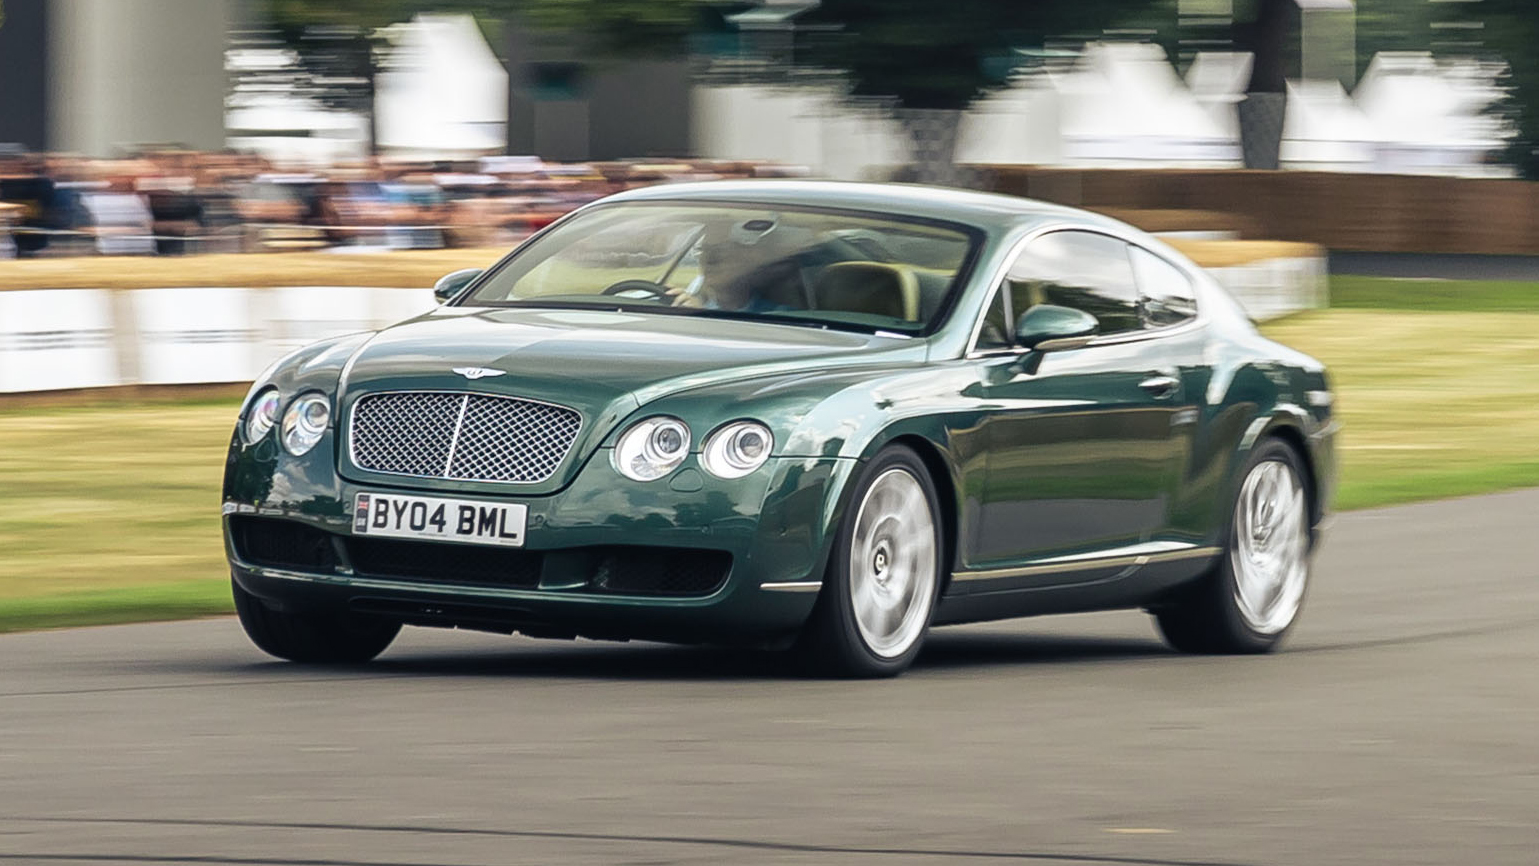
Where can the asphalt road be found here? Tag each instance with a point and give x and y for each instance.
(1435, 266)
(1402, 727)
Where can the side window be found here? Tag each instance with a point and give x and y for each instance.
(1081, 270)
(1167, 295)
(994, 333)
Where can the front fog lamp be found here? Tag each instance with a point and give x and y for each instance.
(305, 423)
(737, 449)
(263, 415)
(651, 448)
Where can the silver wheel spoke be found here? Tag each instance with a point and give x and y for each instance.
(1269, 555)
(892, 563)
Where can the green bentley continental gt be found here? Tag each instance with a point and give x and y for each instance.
(815, 416)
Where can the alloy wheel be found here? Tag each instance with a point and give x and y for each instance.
(892, 564)
(1270, 553)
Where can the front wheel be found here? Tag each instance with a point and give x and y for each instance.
(883, 576)
(1251, 598)
(312, 637)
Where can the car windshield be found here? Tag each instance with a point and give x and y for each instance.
(820, 267)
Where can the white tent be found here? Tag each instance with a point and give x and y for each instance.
(1121, 104)
(1324, 130)
(1016, 126)
(1217, 80)
(1432, 117)
(1124, 105)
(815, 127)
(444, 92)
(295, 131)
(282, 125)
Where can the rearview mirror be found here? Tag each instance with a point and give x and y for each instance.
(1047, 328)
(450, 285)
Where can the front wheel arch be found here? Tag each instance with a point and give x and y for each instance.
(833, 640)
(945, 484)
(942, 475)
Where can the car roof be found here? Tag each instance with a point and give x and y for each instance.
(989, 211)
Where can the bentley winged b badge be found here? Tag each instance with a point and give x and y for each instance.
(479, 372)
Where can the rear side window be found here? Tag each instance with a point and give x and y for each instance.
(1085, 271)
(1167, 297)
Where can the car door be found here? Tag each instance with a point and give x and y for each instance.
(1080, 439)
(1176, 342)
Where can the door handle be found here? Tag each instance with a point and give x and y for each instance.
(1161, 385)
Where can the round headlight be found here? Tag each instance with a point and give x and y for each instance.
(262, 416)
(652, 448)
(305, 423)
(737, 449)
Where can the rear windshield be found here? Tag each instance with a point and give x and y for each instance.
(817, 267)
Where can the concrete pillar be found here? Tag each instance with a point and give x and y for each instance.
(122, 73)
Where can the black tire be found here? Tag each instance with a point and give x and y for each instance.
(831, 643)
(1205, 617)
(312, 637)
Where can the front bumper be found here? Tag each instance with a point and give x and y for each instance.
(776, 525)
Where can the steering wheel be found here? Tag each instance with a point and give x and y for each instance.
(654, 291)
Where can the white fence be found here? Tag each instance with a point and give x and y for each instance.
(57, 339)
(1271, 288)
(53, 339)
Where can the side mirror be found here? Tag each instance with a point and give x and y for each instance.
(1047, 328)
(450, 285)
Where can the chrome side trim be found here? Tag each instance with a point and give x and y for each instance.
(1147, 548)
(792, 586)
(1064, 344)
(1137, 556)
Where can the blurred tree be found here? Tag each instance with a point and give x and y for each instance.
(617, 27)
(1505, 30)
(339, 42)
(934, 59)
(1392, 25)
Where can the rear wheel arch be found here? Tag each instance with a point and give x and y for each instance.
(1250, 598)
(1286, 429)
(1294, 438)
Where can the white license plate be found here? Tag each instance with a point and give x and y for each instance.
(394, 516)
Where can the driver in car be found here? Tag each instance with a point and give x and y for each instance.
(742, 265)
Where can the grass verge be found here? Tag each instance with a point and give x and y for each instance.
(186, 599)
(111, 512)
(1432, 404)
(1467, 296)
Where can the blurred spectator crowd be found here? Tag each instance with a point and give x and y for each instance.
(182, 202)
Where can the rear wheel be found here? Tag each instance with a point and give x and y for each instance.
(883, 577)
(1251, 598)
(312, 637)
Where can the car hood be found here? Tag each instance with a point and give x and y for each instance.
(603, 363)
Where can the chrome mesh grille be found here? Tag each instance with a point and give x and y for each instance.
(462, 437)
